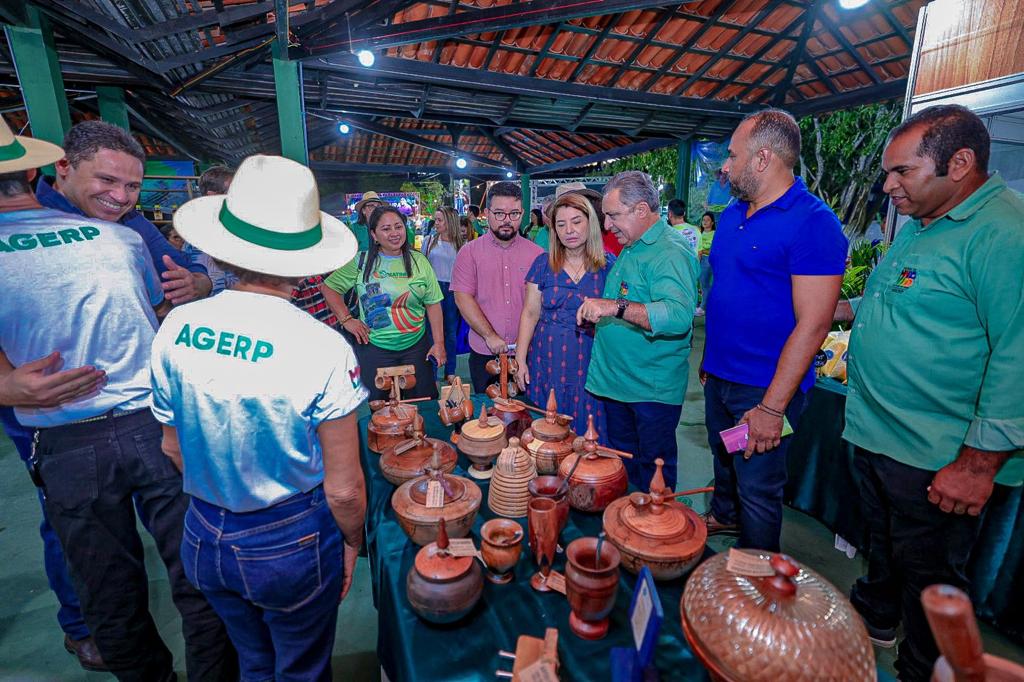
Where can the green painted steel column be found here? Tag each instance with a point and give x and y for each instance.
(683, 172)
(524, 183)
(38, 71)
(291, 107)
(112, 107)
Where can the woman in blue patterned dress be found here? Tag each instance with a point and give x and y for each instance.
(552, 350)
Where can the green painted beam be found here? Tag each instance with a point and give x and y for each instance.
(683, 172)
(112, 106)
(38, 71)
(291, 109)
(524, 182)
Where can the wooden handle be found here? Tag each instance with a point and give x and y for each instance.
(694, 491)
(612, 451)
(955, 629)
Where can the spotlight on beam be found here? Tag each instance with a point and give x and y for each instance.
(344, 128)
(365, 58)
(852, 4)
(460, 163)
(508, 174)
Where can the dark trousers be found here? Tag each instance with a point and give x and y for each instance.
(648, 431)
(747, 491)
(911, 544)
(90, 473)
(478, 371)
(371, 358)
(452, 319)
(69, 615)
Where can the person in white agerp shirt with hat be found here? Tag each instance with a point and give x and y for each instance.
(257, 402)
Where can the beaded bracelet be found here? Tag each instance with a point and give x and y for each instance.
(774, 413)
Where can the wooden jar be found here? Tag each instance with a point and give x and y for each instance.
(509, 492)
(595, 479)
(549, 440)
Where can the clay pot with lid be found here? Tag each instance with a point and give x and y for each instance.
(443, 588)
(482, 440)
(591, 583)
(461, 497)
(387, 427)
(411, 457)
(655, 530)
(509, 492)
(793, 625)
(549, 440)
(595, 476)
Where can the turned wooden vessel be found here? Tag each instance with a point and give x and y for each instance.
(411, 457)
(509, 492)
(461, 499)
(549, 440)
(555, 489)
(391, 417)
(793, 625)
(655, 530)
(591, 583)
(455, 404)
(501, 543)
(595, 477)
(512, 413)
(482, 440)
(443, 588)
(951, 618)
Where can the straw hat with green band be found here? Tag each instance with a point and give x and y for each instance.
(269, 221)
(18, 153)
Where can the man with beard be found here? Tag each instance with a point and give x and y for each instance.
(489, 279)
(778, 261)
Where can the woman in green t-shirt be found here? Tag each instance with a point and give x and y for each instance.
(397, 291)
(707, 235)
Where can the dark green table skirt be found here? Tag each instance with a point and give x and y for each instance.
(821, 483)
(410, 649)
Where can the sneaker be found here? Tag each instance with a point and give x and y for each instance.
(716, 527)
(699, 312)
(879, 636)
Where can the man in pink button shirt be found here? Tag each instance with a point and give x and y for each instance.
(489, 279)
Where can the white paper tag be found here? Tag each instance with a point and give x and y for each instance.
(435, 495)
(461, 547)
(556, 581)
(538, 671)
(641, 614)
(745, 563)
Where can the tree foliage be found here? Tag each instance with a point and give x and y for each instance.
(432, 194)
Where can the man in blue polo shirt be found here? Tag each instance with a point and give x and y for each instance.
(778, 261)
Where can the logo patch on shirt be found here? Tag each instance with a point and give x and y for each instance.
(27, 242)
(224, 343)
(353, 376)
(623, 289)
(906, 279)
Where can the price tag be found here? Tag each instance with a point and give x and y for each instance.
(556, 581)
(435, 495)
(538, 671)
(461, 547)
(641, 613)
(645, 617)
(745, 563)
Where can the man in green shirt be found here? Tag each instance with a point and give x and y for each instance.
(936, 405)
(639, 364)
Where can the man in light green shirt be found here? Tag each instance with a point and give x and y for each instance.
(640, 361)
(936, 401)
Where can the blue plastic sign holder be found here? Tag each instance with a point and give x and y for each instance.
(645, 616)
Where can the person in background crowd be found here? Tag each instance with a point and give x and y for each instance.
(467, 228)
(267, 441)
(553, 351)
(369, 203)
(488, 280)
(640, 363)
(100, 177)
(939, 424)
(542, 235)
(214, 180)
(479, 224)
(397, 291)
(440, 250)
(707, 235)
(536, 223)
(778, 265)
(172, 237)
(677, 219)
(96, 455)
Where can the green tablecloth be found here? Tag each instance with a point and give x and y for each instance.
(822, 484)
(410, 649)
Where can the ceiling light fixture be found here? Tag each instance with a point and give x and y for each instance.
(344, 128)
(366, 58)
(508, 174)
(460, 163)
(852, 4)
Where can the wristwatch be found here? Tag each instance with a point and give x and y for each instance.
(622, 305)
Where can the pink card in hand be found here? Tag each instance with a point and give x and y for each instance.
(735, 439)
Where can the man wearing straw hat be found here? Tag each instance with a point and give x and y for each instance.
(258, 403)
(96, 448)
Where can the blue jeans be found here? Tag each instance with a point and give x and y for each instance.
(705, 280)
(648, 431)
(69, 615)
(747, 491)
(274, 576)
(452, 318)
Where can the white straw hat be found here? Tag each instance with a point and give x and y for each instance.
(270, 221)
(18, 153)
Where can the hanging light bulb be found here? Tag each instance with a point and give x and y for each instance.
(344, 128)
(366, 58)
(852, 4)
(460, 163)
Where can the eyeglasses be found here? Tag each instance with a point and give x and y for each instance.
(372, 204)
(511, 215)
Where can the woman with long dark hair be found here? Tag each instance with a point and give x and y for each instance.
(707, 235)
(397, 292)
(440, 249)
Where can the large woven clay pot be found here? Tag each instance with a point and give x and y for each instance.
(549, 440)
(793, 625)
(509, 492)
(656, 531)
(595, 478)
(443, 588)
(462, 500)
(411, 457)
(481, 441)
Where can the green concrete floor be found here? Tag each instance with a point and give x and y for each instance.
(31, 641)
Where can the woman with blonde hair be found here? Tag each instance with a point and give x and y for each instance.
(440, 249)
(552, 350)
